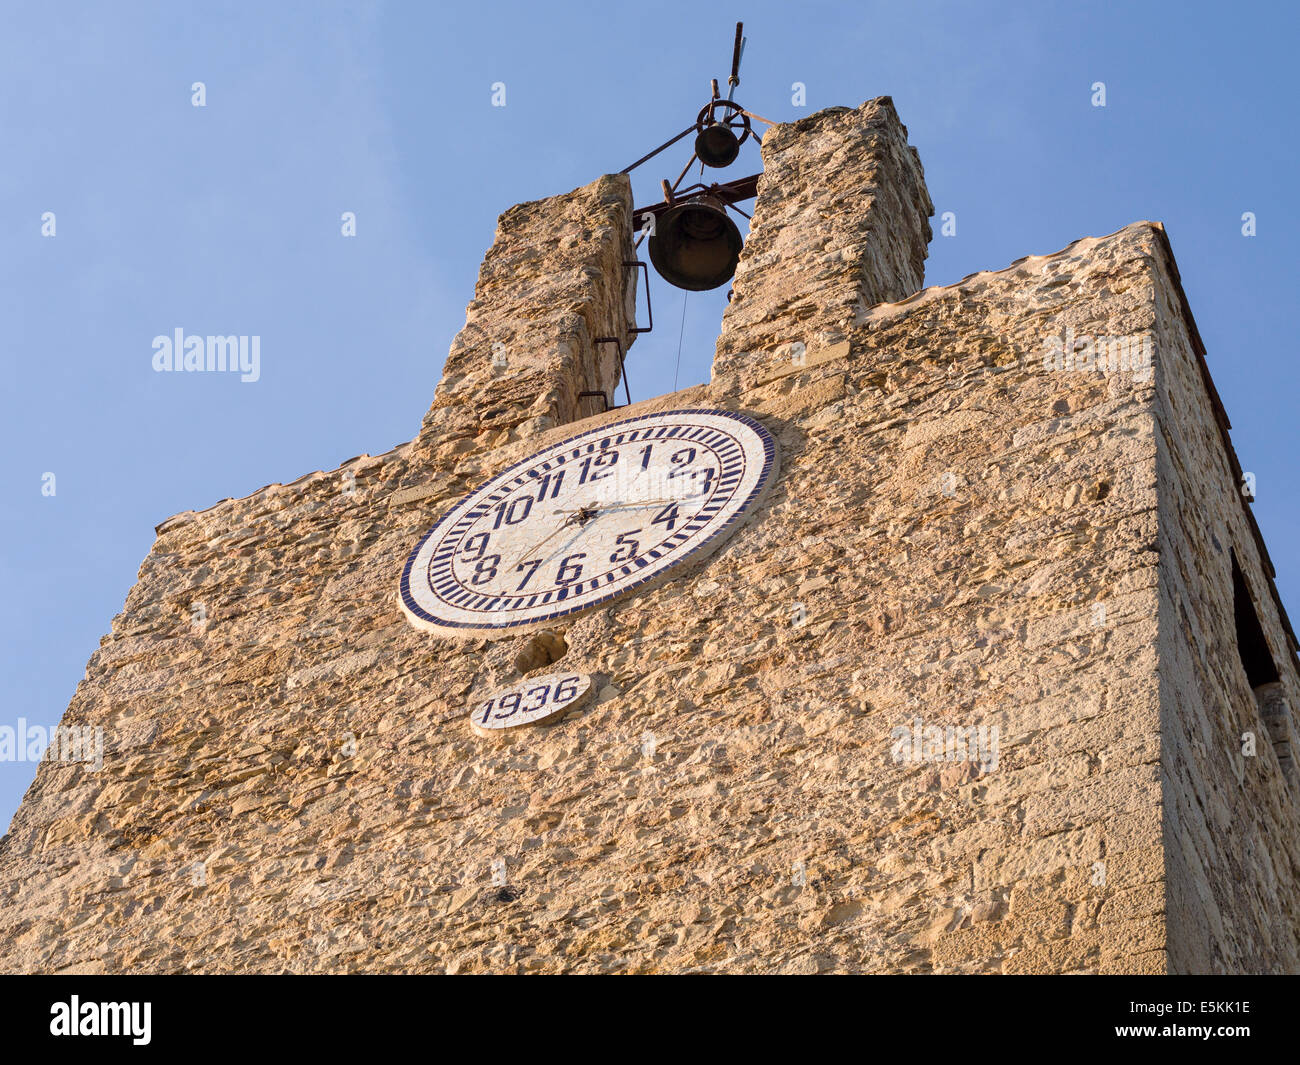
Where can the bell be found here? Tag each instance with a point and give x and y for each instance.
(716, 145)
(695, 245)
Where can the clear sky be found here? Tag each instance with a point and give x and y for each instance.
(226, 219)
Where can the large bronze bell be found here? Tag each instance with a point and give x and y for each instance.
(716, 145)
(696, 245)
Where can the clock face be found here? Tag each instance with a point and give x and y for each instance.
(588, 519)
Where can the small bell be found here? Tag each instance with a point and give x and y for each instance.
(716, 145)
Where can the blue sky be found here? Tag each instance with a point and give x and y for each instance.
(225, 219)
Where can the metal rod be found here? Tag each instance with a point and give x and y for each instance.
(683, 173)
(622, 366)
(730, 192)
(739, 51)
(666, 144)
(592, 392)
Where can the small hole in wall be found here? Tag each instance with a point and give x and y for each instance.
(1101, 491)
(539, 650)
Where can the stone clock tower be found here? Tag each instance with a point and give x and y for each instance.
(987, 673)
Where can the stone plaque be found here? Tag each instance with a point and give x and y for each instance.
(529, 702)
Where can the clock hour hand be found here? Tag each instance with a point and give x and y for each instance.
(538, 546)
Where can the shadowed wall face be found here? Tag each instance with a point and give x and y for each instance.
(925, 713)
(1229, 690)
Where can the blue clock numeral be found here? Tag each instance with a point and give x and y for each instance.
(666, 517)
(485, 570)
(512, 512)
(532, 568)
(570, 570)
(596, 462)
(627, 548)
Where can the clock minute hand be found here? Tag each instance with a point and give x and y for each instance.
(644, 503)
(534, 548)
(538, 546)
(600, 508)
(596, 510)
(568, 543)
(542, 543)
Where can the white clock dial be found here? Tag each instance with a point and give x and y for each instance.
(588, 519)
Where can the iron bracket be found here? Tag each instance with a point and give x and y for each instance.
(622, 366)
(634, 329)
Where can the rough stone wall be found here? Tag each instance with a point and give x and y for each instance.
(841, 223)
(553, 283)
(948, 518)
(996, 507)
(1232, 820)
